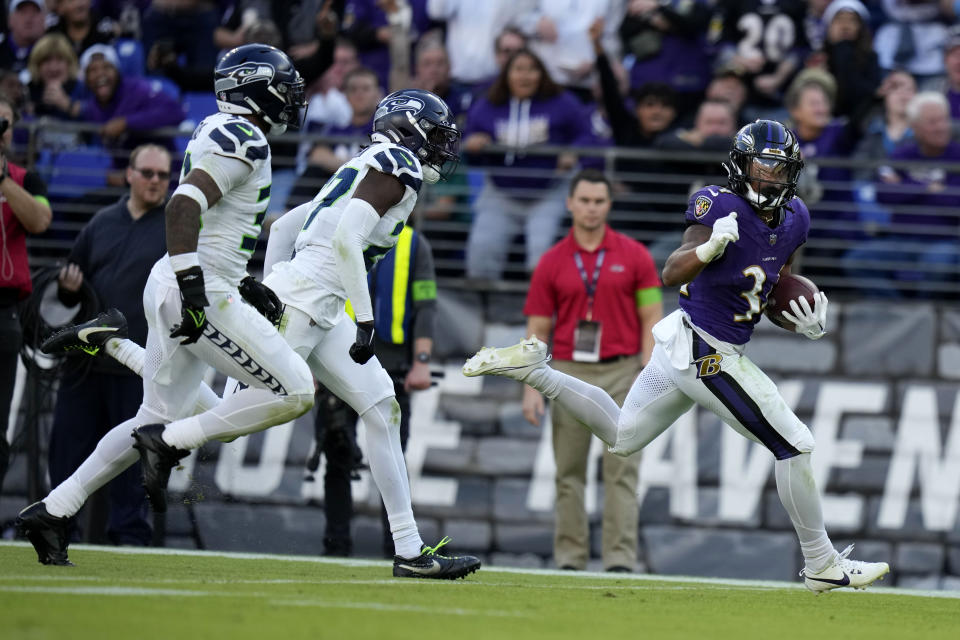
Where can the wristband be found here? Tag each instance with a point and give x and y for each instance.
(183, 261)
(194, 193)
(706, 252)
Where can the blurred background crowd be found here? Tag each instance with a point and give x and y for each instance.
(649, 91)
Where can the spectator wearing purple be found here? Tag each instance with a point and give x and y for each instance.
(25, 25)
(522, 192)
(923, 229)
(82, 26)
(128, 108)
(365, 23)
(809, 101)
(666, 42)
(849, 56)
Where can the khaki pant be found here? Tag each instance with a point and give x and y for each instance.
(571, 445)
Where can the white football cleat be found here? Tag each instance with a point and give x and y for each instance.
(513, 362)
(845, 573)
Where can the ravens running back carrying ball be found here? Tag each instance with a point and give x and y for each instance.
(739, 241)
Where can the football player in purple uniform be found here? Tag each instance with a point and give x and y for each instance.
(738, 242)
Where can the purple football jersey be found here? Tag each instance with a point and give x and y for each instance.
(727, 298)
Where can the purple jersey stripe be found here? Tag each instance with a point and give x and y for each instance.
(736, 399)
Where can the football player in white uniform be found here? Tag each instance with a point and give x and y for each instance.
(192, 303)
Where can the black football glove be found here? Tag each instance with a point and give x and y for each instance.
(262, 298)
(193, 300)
(362, 348)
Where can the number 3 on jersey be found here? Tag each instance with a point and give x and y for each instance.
(335, 188)
(752, 296)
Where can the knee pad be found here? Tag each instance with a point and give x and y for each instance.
(805, 442)
(388, 410)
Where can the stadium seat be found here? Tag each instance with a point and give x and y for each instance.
(71, 174)
(131, 57)
(197, 105)
(161, 83)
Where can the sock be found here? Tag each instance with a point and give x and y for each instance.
(240, 414)
(389, 470)
(591, 406)
(799, 495)
(128, 353)
(114, 453)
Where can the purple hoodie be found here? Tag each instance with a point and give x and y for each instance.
(142, 106)
(560, 120)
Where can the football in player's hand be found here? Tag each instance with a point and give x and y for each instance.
(789, 287)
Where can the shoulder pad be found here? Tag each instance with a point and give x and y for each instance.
(240, 138)
(396, 161)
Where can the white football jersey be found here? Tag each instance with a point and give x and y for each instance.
(314, 250)
(230, 228)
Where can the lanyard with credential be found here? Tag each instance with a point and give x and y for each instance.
(590, 284)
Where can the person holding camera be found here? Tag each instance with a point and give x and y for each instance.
(23, 209)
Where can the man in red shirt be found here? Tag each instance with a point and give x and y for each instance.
(23, 209)
(598, 292)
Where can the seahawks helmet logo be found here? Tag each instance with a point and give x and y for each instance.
(403, 103)
(232, 77)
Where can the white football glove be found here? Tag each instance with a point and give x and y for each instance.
(810, 322)
(725, 230)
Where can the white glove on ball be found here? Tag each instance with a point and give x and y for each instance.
(810, 322)
(725, 230)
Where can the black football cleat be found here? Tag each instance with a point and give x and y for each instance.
(88, 337)
(48, 534)
(430, 564)
(157, 458)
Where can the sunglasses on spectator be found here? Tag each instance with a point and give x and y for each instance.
(150, 173)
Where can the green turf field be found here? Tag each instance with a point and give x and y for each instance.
(127, 594)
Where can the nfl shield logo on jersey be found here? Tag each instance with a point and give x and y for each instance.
(773, 239)
(701, 206)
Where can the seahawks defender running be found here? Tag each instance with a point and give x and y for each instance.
(353, 222)
(738, 241)
(192, 303)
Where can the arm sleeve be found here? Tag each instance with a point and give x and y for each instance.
(424, 291)
(226, 171)
(283, 237)
(356, 223)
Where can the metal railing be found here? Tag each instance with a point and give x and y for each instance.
(842, 253)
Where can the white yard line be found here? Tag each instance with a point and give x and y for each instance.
(585, 575)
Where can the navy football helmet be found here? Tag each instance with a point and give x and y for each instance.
(421, 121)
(765, 164)
(260, 80)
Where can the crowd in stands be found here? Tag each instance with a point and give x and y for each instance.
(867, 79)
